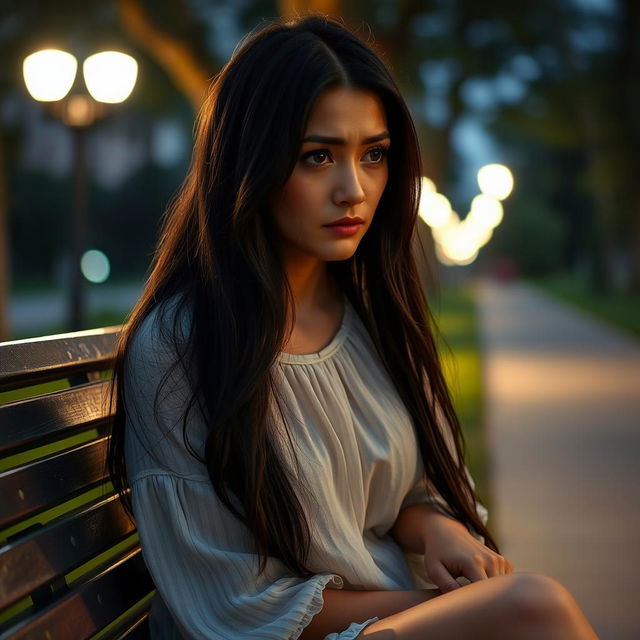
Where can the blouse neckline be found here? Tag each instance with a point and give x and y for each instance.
(327, 351)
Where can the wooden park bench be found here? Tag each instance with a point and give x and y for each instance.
(70, 562)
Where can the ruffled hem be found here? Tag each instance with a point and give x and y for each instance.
(352, 632)
(317, 602)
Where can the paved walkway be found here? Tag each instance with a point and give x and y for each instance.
(563, 416)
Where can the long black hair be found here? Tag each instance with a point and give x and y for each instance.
(217, 249)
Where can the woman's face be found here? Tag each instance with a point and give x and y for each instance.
(340, 173)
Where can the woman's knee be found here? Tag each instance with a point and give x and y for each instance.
(537, 598)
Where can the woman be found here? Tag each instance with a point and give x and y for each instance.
(295, 462)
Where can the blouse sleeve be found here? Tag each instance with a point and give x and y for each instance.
(200, 556)
(205, 571)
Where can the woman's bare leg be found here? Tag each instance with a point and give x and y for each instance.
(517, 606)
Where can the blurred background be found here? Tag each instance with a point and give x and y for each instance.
(546, 292)
(550, 90)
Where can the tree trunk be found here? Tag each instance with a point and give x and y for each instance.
(601, 277)
(630, 101)
(5, 261)
(189, 74)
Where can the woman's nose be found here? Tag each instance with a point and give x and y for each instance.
(348, 190)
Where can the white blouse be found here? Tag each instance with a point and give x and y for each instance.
(357, 455)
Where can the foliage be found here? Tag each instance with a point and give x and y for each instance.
(460, 352)
(618, 309)
(536, 234)
(577, 126)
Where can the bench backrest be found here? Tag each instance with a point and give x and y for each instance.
(70, 562)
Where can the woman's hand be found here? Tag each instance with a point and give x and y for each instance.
(450, 551)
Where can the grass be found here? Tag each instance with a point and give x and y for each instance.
(620, 310)
(461, 358)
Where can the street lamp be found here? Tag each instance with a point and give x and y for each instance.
(51, 77)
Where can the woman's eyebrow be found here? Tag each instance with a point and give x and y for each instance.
(341, 141)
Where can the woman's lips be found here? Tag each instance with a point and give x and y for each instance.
(345, 229)
(346, 220)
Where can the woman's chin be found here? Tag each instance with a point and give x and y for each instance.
(337, 256)
(342, 251)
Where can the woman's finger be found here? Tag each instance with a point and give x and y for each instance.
(495, 565)
(505, 566)
(440, 576)
(474, 570)
(491, 566)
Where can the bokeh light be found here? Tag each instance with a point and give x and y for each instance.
(486, 211)
(459, 244)
(435, 209)
(95, 266)
(458, 241)
(110, 76)
(495, 180)
(49, 74)
(428, 184)
(440, 231)
(481, 233)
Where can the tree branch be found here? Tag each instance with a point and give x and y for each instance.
(292, 8)
(183, 66)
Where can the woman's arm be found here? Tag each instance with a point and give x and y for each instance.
(342, 607)
(450, 551)
(410, 527)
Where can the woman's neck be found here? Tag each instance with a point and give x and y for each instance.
(319, 309)
(312, 286)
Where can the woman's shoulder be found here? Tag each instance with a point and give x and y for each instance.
(164, 330)
(158, 387)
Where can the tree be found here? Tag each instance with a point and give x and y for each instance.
(183, 62)
(5, 256)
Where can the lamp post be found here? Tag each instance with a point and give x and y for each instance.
(51, 77)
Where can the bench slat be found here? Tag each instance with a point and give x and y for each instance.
(90, 606)
(49, 481)
(134, 627)
(35, 561)
(59, 547)
(27, 362)
(26, 423)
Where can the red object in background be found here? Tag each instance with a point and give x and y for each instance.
(504, 269)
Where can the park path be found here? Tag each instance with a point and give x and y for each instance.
(563, 431)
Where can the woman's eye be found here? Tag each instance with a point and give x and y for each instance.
(377, 155)
(321, 157)
(316, 157)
